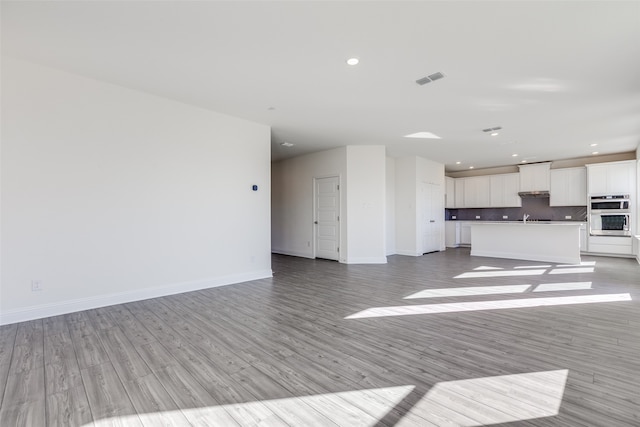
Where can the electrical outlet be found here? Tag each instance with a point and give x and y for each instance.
(36, 286)
(477, 216)
(567, 217)
(505, 216)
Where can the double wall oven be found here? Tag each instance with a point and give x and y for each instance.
(610, 215)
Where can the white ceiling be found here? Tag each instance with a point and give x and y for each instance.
(557, 76)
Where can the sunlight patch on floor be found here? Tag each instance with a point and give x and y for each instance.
(571, 270)
(563, 286)
(354, 408)
(501, 273)
(486, 267)
(520, 267)
(582, 264)
(494, 400)
(477, 290)
(407, 310)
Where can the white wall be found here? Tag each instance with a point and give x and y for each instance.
(390, 222)
(366, 194)
(406, 198)
(638, 195)
(112, 195)
(362, 202)
(433, 173)
(410, 173)
(292, 201)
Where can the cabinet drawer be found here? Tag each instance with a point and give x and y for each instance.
(610, 245)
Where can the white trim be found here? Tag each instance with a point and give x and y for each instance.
(367, 260)
(314, 219)
(55, 309)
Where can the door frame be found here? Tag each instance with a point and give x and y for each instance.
(314, 211)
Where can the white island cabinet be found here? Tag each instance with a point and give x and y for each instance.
(557, 243)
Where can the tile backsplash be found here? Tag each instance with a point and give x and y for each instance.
(535, 208)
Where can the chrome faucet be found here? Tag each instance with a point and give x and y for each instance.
(525, 217)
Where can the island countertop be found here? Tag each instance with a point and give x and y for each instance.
(557, 242)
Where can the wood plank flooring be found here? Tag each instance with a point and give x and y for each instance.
(301, 350)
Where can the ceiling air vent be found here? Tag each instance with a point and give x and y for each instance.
(430, 78)
(436, 76)
(492, 129)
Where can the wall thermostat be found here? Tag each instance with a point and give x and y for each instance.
(254, 188)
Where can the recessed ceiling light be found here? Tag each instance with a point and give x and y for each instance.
(592, 145)
(514, 155)
(595, 152)
(353, 61)
(424, 135)
(523, 161)
(494, 134)
(457, 163)
(470, 167)
(286, 144)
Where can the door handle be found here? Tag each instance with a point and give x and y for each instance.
(433, 220)
(315, 222)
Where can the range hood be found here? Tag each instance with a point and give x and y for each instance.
(533, 194)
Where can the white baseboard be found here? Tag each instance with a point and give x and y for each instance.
(80, 304)
(407, 253)
(292, 253)
(367, 260)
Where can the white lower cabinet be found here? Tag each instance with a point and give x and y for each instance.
(451, 234)
(615, 245)
(465, 233)
(584, 244)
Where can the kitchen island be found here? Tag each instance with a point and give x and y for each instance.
(534, 241)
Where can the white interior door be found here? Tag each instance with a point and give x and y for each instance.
(432, 216)
(327, 218)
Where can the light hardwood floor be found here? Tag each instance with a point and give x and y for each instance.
(482, 342)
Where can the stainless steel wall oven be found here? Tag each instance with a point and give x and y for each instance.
(609, 215)
(609, 203)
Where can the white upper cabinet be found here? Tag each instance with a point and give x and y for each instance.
(477, 191)
(535, 177)
(504, 190)
(459, 192)
(450, 192)
(568, 187)
(611, 178)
